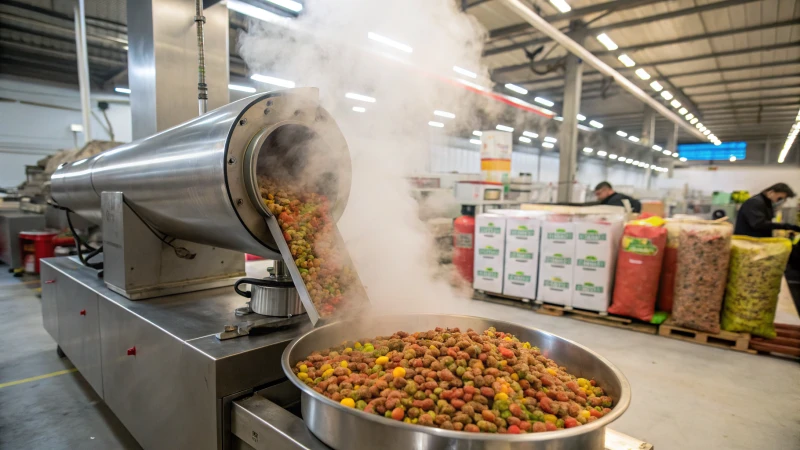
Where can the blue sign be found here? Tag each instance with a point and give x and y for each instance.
(711, 152)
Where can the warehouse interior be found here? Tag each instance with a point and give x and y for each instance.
(207, 207)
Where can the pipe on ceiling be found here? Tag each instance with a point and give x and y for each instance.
(539, 23)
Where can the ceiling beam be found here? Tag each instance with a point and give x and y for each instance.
(736, 68)
(59, 54)
(618, 25)
(466, 4)
(741, 80)
(755, 89)
(617, 5)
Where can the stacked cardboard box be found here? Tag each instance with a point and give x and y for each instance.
(595, 256)
(521, 256)
(490, 234)
(557, 260)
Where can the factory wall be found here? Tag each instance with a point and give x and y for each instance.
(36, 121)
(733, 178)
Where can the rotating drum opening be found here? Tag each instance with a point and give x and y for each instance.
(293, 154)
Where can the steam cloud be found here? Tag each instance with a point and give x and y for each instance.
(327, 47)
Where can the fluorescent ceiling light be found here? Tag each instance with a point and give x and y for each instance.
(602, 153)
(530, 134)
(255, 12)
(273, 81)
(475, 141)
(693, 121)
(587, 150)
(629, 160)
(449, 115)
(363, 98)
(436, 124)
(477, 133)
(636, 163)
(543, 101)
(124, 47)
(288, 4)
(732, 159)
(641, 73)
(595, 124)
(612, 156)
(667, 95)
(123, 90)
(625, 59)
(391, 43)
(703, 129)
(706, 131)
(524, 139)
(689, 116)
(519, 101)
(675, 104)
(698, 125)
(561, 5)
(581, 117)
(471, 84)
(622, 133)
(633, 138)
(236, 87)
(504, 128)
(550, 139)
(647, 166)
(465, 72)
(547, 145)
(656, 86)
(683, 111)
(607, 42)
(683, 159)
(657, 148)
(547, 111)
(667, 152)
(559, 118)
(359, 109)
(517, 89)
(675, 155)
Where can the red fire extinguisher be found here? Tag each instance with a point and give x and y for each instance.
(463, 242)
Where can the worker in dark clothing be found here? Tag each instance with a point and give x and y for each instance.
(605, 195)
(755, 216)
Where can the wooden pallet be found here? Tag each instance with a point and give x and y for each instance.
(501, 299)
(787, 342)
(724, 339)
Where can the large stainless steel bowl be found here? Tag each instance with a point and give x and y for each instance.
(345, 428)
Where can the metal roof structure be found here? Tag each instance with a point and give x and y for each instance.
(732, 64)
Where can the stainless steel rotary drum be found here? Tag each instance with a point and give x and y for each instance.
(345, 428)
(198, 180)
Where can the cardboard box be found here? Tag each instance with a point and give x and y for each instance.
(555, 286)
(558, 236)
(595, 257)
(488, 277)
(490, 229)
(519, 282)
(490, 233)
(522, 243)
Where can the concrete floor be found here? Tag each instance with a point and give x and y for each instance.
(685, 396)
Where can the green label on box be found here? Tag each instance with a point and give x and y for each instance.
(556, 283)
(640, 246)
(591, 261)
(488, 273)
(558, 259)
(560, 235)
(489, 228)
(521, 253)
(592, 235)
(522, 230)
(489, 251)
(519, 276)
(589, 288)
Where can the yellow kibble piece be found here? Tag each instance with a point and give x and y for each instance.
(414, 420)
(583, 382)
(503, 363)
(356, 386)
(490, 333)
(327, 373)
(343, 364)
(382, 360)
(526, 345)
(552, 371)
(303, 368)
(550, 418)
(515, 377)
(348, 402)
(325, 367)
(399, 372)
(507, 338)
(501, 396)
(585, 414)
(302, 375)
(348, 350)
(357, 345)
(407, 420)
(433, 347)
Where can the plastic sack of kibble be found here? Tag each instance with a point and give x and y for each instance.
(701, 273)
(666, 289)
(754, 281)
(638, 268)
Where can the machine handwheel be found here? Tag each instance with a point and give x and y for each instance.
(60, 352)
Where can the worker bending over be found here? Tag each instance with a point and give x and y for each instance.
(605, 195)
(755, 216)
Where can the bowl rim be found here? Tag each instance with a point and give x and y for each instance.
(622, 403)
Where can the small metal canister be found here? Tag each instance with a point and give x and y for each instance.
(273, 296)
